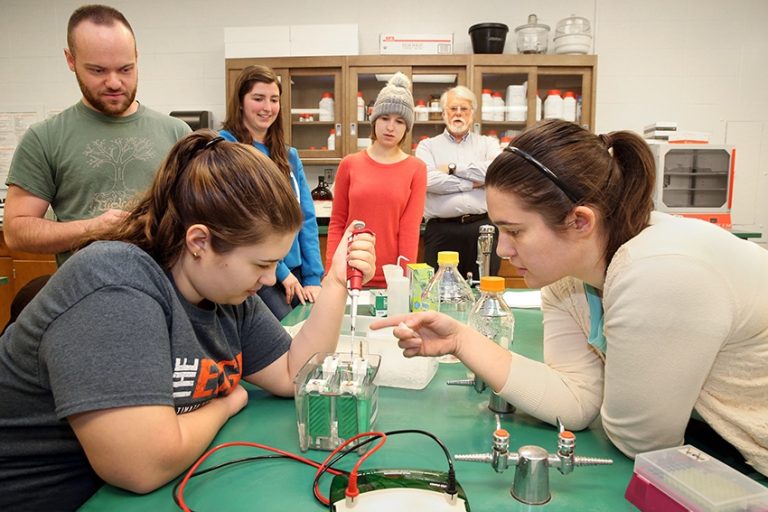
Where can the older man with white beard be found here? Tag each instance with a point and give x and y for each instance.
(457, 160)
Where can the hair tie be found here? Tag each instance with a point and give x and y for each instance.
(606, 139)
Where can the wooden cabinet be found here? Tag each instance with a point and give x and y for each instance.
(534, 74)
(511, 278)
(305, 79)
(20, 268)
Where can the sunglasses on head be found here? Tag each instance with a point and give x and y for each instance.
(543, 169)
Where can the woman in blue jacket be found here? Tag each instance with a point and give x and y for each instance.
(253, 117)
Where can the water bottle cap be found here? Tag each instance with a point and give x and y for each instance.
(447, 258)
(492, 284)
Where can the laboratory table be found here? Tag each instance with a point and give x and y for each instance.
(457, 415)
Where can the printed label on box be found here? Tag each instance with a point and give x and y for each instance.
(419, 275)
(416, 44)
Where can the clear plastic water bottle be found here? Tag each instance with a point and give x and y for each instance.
(448, 292)
(490, 315)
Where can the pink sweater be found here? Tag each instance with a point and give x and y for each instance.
(389, 198)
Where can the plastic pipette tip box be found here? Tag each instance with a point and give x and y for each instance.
(685, 478)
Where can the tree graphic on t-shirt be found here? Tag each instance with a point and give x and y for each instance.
(116, 155)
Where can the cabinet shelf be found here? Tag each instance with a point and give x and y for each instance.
(320, 161)
(504, 123)
(694, 189)
(700, 174)
(313, 123)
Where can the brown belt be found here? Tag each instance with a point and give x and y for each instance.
(464, 219)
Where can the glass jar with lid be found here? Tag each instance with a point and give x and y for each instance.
(532, 37)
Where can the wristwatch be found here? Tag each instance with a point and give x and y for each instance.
(451, 169)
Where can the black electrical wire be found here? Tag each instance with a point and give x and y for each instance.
(175, 489)
(450, 487)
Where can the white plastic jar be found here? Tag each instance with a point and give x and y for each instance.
(486, 112)
(421, 110)
(326, 107)
(499, 106)
(360, 107)
(553, 105)
(569, 106)
(538, 107)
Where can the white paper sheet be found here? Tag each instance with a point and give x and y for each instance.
(528, 299)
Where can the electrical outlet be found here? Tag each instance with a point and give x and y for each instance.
(328, 174)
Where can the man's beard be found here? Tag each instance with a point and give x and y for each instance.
(104, 107)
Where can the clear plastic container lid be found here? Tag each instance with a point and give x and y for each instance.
(573, 25)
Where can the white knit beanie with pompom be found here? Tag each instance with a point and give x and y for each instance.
(395, 98)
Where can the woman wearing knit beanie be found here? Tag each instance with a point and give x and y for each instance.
(382, 185)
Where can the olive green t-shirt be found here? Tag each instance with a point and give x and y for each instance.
(84, 163)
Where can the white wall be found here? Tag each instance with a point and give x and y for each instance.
(701, 63)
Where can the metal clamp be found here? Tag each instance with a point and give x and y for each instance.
(532, 463)
(496, 402)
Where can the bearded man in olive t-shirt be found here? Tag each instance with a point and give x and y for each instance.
(90, 162)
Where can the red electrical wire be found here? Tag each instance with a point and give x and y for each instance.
(190, 472)
(352, 490)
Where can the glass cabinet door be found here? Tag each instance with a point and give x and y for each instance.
(512, 91)
(428, 83)
(313, 122)
(506, 104)
(573, 82)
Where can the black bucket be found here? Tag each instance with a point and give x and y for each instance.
(488, 37)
